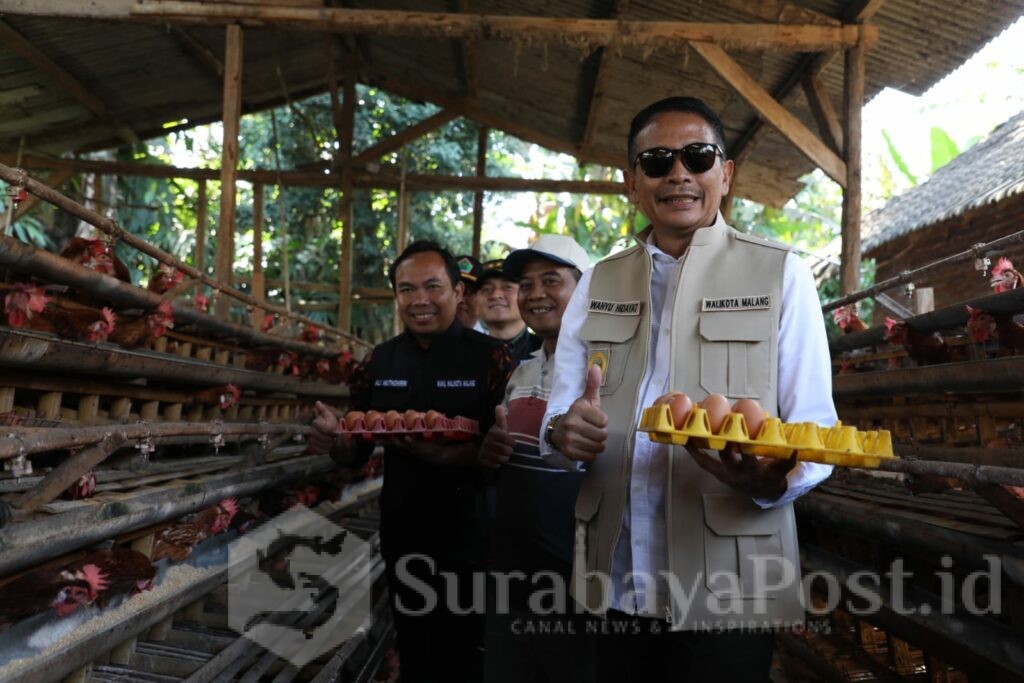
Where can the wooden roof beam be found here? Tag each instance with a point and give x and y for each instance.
(773, 112)
(202, 54)
(592, 32)
(361, 179)
(401, 138)
(601, 82)
(824, 113)
(471, 109)
(469, 59)
(53, 72)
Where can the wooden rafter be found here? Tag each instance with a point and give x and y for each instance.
(471, 109)
(400, 139)
(824, 113)
(601, 82)
(318, 178)
(467, 47)
(788, 125)
(53, 72)
(858, 11)
(204, 55)
(592, 32)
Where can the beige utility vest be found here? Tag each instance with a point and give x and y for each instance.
(733, 562)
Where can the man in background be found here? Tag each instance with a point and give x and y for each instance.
(499, 310)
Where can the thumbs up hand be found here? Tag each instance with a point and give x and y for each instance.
(496, 448)
(581, 433)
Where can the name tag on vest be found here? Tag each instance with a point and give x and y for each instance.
(391, 383)
(615, 307)
(737, 303)
(456, 384)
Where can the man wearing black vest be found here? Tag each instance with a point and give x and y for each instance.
(432, 512)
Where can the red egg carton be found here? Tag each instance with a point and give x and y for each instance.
(445, 428)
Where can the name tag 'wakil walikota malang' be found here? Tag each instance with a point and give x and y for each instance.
(615, 307)
(737, 303)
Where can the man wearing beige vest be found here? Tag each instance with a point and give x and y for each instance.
(691, 555)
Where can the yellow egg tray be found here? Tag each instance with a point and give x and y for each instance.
(838, 445)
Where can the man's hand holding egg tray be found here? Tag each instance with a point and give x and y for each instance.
(761, 478)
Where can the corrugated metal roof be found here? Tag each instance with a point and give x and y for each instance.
(147, 77)
(987, 173)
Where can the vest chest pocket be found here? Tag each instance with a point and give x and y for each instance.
(609, 341)
(734, 353)
(742, 547)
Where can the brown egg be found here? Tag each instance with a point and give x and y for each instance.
(411, 416)
(373, 419)
(752, 412)
(431, 419)
(393, 420)
(679, 404)
(717, 407)
(353, 418)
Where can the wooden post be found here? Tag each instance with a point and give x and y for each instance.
(229, 162)
(403, 234)
(258, 283)
(478, 198)
(348, 111)
(853, 103)
(199, 260)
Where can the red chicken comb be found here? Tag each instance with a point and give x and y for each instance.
(229, 396)
(229, 506)
(109, 316)
(1002, 265)
(96, 578)
(890, 323)
(98, 247)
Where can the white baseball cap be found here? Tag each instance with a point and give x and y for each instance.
(558, 248)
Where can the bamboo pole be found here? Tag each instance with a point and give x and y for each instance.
(43, 264)
(853, 100)
(1004, 303)
(68, 472)
(977, 376)
(478, 196)
(229, 163)
(258, 284)
(108, 226)
(347, 210)
(976, 251)
(201, 207)
(28, 440)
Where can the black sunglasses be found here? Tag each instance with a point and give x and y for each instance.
(697, 157)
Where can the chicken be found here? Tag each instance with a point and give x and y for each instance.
(125, 571)
(60, 589)
(83, 488)
(164, 279)
(28, 307)
(273, 360)
(1004, 277)
(268, 322)
(923, 348)
(176, 541)
(96, 255)
(846, 319)
(223, 396)
(1003, 328)
(139, 331)
(201, 302)
(311, 334)
(337, 370)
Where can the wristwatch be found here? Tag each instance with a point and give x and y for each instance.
(549, 432)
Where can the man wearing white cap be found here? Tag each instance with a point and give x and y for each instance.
(533, 524)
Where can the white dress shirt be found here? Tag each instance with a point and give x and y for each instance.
(804, 395)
